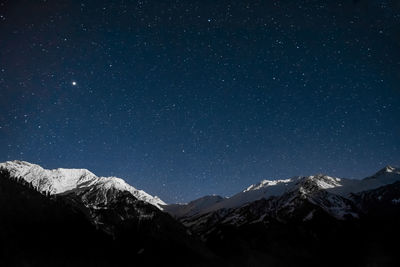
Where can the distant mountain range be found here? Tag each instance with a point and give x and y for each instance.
(333, 195)
(71, 217)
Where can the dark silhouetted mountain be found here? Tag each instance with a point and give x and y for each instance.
(315, 220)
(89, 226)
(71, 217)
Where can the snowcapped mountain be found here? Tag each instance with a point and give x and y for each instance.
(309, 186)
(296, 199)
(265, 189)
(93, 224)
(305, 217)
(60, 180)
(299, 221)
(307, 225)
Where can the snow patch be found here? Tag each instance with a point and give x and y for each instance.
(309, 216)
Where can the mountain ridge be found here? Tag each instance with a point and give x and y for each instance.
(61, 180)
(273, 188)
(38, 229)
(291, 222)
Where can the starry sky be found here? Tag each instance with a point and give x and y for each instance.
(188, 98)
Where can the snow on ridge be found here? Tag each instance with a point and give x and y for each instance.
(330, 193)
(51, 181)
(61, 180)
(264, 189)
(390, 169)
(325, 182)
(265, 183)
(322, 181)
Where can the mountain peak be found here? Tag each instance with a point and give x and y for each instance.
(389, 168)
(324, 181)
(385, 172)
(266, 183)
(22, 167)
(61, 180)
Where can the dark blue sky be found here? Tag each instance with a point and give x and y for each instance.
(187, 98)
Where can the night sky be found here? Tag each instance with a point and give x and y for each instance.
(188, 98)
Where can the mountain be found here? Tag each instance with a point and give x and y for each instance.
(303, 220)
(39, 230)
(62, 180)
(274, 188)
(71, 217)
(382, 201)
(299, 199)
(107, 221)
(304, 230)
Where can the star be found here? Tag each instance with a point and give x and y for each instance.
(237, 101)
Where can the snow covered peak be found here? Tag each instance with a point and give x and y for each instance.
(386, 175)
(264, 189)
(385, 172)
(324, 181)
(389, 168)
(62, 180)
(266, 183)
(51, 181)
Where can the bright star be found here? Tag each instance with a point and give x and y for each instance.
(74, 83)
